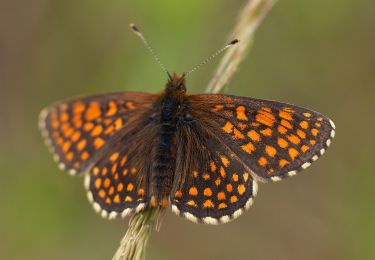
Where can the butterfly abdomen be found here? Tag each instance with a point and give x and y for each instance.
(164, 161)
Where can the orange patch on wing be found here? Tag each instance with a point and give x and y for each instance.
(217, 182)
(98, 183)
(221, 195)
(114, 156)
(245, 176)
(104, 171)
(282, 142)
(294, 139)
(78, 107)
(312, 142)
(217, 108)
(192, 203)
(304, 148)
(286, 123)
(293, 153)
(304, 124)
(285, 115)
(75, 137)
(107, 182)
(314, 131)
(66, 146)
(206, 176)
(128, 199)
(112, 108)
(69, 156)
(281, 129)
(85, 155)
(301, 133)
(306, 114)
(101, 193)
(229, 187)
(270, 150)
(116, 199)
(213, 166)
(88, 126)
(130, 105)
(109, 130)
(208, 204)
(141, 192)
(237, 134)
(97, 130)
(222, 205)
(241, 113)
(241, 189)
(95, 171)
(207, 192)
(224, 160)
(118, 123)
(193, 191)
(120, 187)
(178, 194)
(130, 187)
(235, 177)
(248, 148)
(64, 117)
(265, 118)
(98, 142)
(266, 132)
(254, 135)
(223, 172)
(262, 161)
(93, 111)
(233, 199)
(228, 127)
(283, 162)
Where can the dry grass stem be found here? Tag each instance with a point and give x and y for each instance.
(248, 21)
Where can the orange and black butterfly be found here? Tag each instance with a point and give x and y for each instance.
(203, 154)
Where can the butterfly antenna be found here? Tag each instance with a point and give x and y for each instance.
(233, 42)
(140, 35)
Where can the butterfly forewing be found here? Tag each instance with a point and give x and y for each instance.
(274, 140)
(78, 131)
(211, 185)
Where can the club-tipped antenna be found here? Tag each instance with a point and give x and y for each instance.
(233, 42)
(135, 29)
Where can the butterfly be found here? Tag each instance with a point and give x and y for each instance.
(202, 154)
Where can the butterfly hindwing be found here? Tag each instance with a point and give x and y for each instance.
(211, 185)
(119, 182)
(78, 131)
(274, 140)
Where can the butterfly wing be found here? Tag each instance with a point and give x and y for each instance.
(211, 184)
(80, 130)
(272, 139)
(119, 182)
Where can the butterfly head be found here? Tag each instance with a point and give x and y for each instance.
(176, 82)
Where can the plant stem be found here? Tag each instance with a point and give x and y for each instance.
(248, 22)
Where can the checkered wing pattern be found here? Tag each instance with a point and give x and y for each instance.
(273, 140)
(80, 130)
(118, 183)
(211, 184)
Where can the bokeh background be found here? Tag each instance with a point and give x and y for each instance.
(318, 54)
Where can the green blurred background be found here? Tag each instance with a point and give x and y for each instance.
(318, 54)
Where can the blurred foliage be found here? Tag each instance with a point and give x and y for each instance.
(316, 54)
